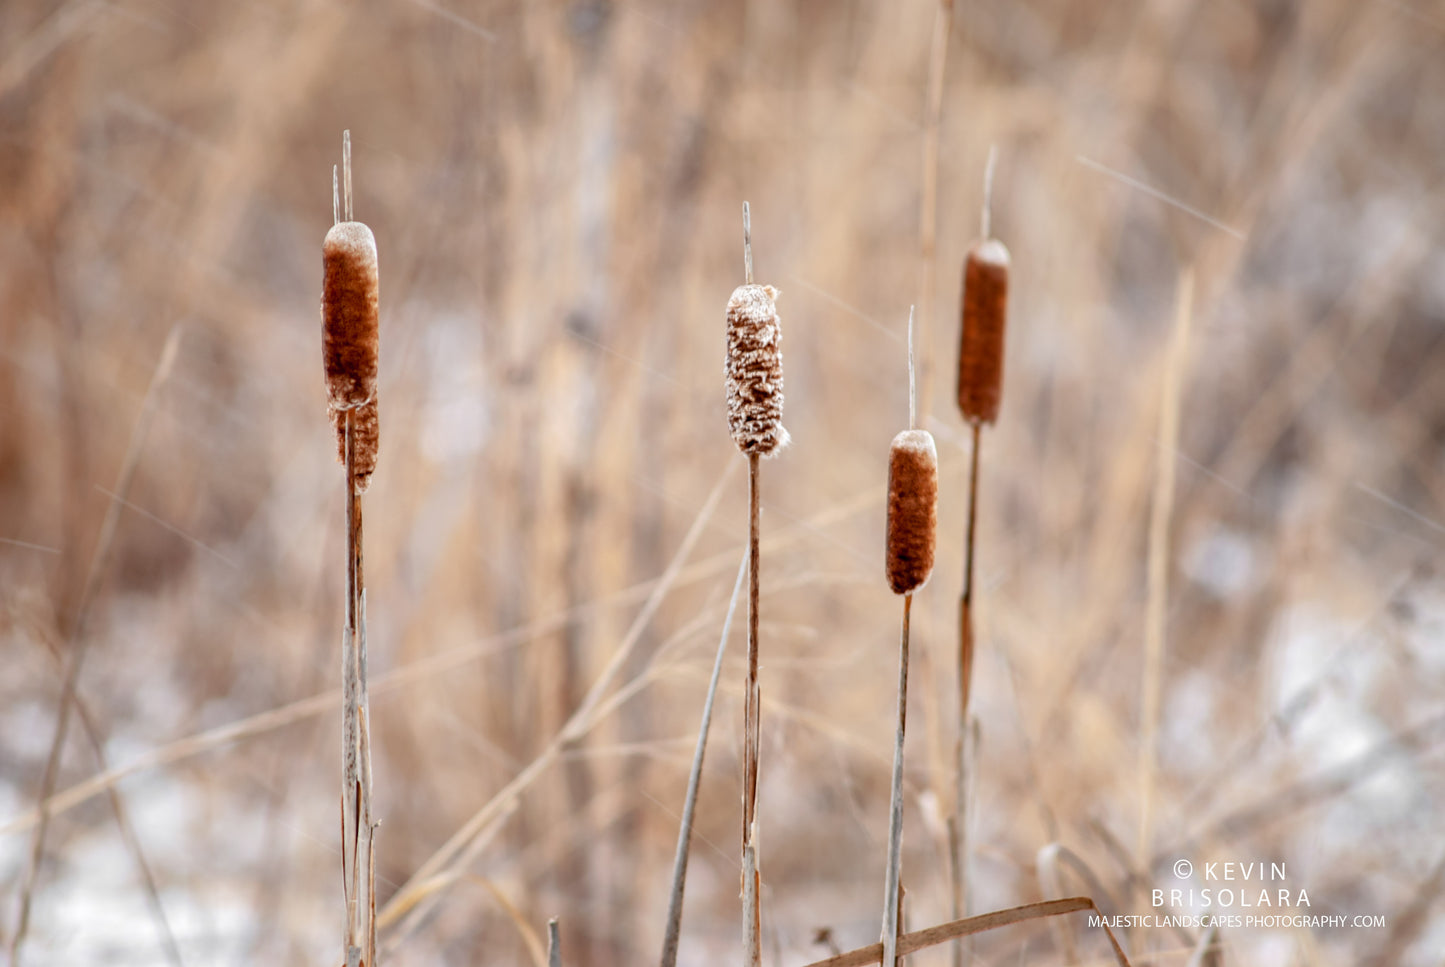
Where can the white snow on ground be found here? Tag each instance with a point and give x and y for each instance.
(1223, 562)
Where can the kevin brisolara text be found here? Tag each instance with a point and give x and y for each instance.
(1287, 920)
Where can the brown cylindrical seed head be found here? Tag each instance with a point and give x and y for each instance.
(366, 430)
(754, 371)
(349, 315)
(985, 317)
(912, 510)
(350, 342)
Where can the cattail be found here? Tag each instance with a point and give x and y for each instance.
(754, 371)
(912, 510)
(985, 317)
(350, 344)
(350, 341)
(912, 529)
(980, 390)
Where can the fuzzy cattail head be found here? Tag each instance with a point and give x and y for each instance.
(912, 510)
(985, 317)
(349, 315)
(754, 371)
(350, 340)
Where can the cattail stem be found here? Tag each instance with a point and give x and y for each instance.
(912, 378)
(751, 787)
(985, 217)
(891, 911)
(346, 172)
(958, 823)
(348, 718)
(358, 857)
(350, 714)
(747, 244)
(965, 638)
(752, 904)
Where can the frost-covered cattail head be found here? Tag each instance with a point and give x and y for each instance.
(754, 371)
(349, 314)
(912, 510)
(351, 339)
(985, 317)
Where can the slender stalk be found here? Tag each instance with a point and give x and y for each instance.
(554, 944)
(928, 196)
(694, 782)
(891, 903)
(358, 861)
(132, 842)
(944, 932)
(367, 830)
(1161, 511)
(965, 611)
(350, 721)
(985, 218)
(747, 244)
(958, 822)
(752, 911)
(346, 172)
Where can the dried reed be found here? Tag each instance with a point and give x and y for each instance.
(957, 929)
(912, 534)
(349, 312)
(673, 932)
(1160, 512)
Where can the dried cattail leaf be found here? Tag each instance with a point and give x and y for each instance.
(349, 315)
(366, 431)
(754, 371)
(985, 318)
(912, 510)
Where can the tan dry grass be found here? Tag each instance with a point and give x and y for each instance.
(558, 191)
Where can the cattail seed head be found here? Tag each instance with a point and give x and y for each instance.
(754, 371)
(350, 339)
(912, 510)
(349, 314)
(985, 317)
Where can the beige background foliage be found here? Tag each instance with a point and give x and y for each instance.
(555, 191)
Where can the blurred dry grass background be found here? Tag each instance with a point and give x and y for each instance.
(555, 190)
